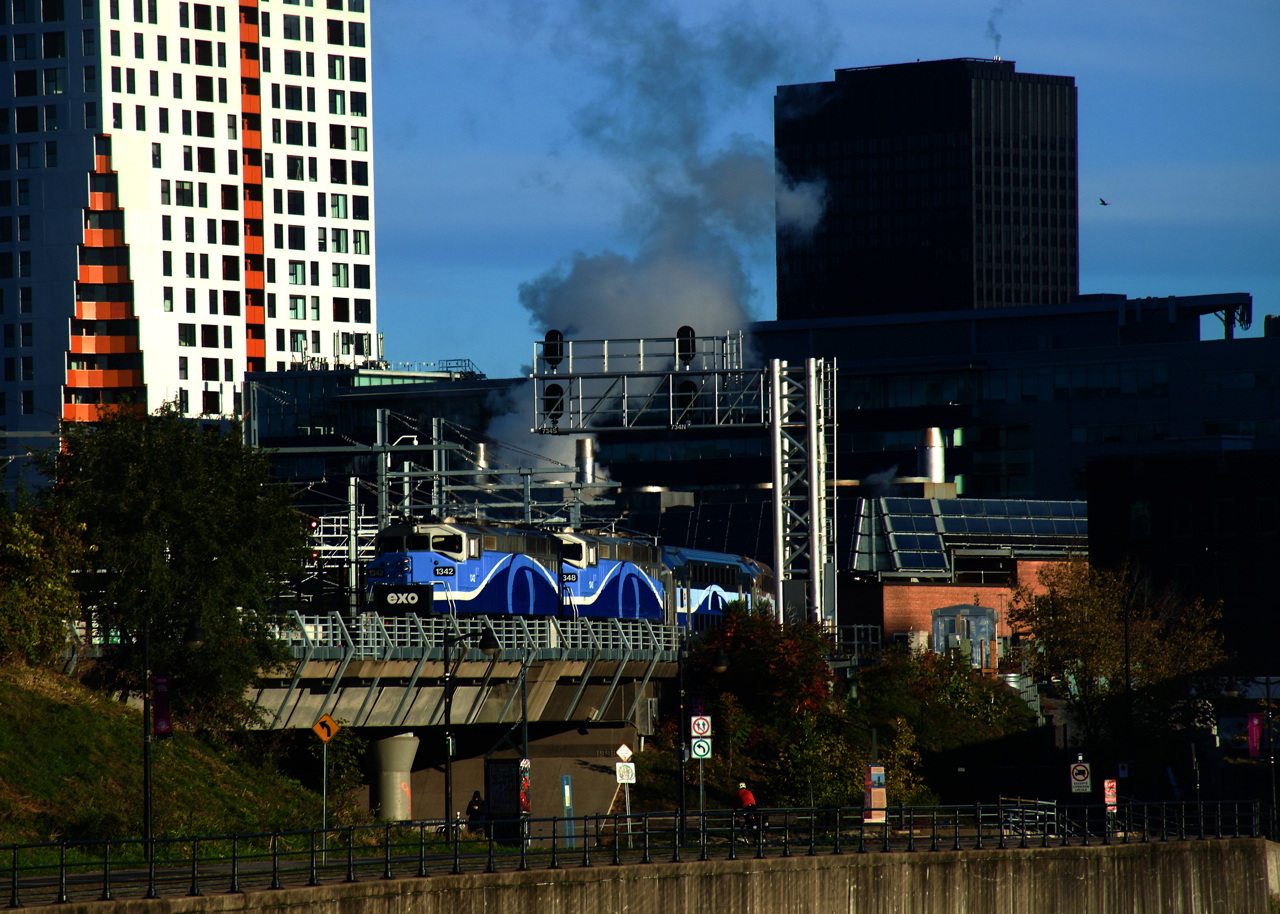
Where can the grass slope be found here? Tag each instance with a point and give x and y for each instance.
(71, 767)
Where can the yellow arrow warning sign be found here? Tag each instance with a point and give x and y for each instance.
(326, 727)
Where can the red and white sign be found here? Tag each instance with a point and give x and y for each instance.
(1109, 794)
(1081, 780)
(700, 726)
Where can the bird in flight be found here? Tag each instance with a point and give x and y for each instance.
(1103, 202)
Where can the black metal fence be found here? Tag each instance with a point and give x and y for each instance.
(63, 871)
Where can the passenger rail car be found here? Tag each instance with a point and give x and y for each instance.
(483, 570)
(703, 583)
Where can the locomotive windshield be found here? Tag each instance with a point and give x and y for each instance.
(572, 552)
(417, 544)
(390, 544)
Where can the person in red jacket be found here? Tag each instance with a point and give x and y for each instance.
(746, 799)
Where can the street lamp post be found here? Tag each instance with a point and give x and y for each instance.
(684, 737)
(489, 646)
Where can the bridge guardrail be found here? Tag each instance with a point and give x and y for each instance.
(371, 636)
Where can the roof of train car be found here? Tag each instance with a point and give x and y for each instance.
(673, 556)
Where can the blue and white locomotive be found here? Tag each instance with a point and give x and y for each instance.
(484, 570)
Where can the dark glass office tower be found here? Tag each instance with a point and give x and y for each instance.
(950, 184)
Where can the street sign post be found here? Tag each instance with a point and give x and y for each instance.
(624, 753)
(1081, 778)
(1109, 794)
(700, 726)
(326, 728)
(702, 748)
(626, 772)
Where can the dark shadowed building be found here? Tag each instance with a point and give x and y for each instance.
(951, 184)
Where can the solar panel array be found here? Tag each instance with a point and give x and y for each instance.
(917, 535)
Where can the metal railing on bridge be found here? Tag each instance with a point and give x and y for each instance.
(76, 871)
(374, 637)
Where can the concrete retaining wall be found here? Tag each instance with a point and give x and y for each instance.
(1229, 876)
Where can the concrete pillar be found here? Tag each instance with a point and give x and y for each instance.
(394, 758)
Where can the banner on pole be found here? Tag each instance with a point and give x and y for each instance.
(161, 717)
(1255, 735)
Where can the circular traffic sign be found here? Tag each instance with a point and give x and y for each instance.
(1080, 772)
(701, 748)
(701, 726)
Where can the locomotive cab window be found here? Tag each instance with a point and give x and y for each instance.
(451, 543)
(417, 543)
(572, 552)
(390, 544)
(473, 547)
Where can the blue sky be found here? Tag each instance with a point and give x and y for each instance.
(512, 136)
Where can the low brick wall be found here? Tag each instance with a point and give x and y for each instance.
(1229, 876)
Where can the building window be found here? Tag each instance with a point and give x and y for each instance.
(230, 197)
(231, 303)
(362, 243)
(297, 272)
(337, 66)
(209, 336)
(271, 305)
(280, 340)
(187, 332)
(156, 162)
(209, 370)
(297, 203)
(341, 310)
(182, 368)
(362, 276)
(297, 341)
(357, 70)
(164, 120)
(184, 192)
(184, 404)
(338, 206)
(358, 106)
(90, 116)
(339, 238)
(363, 311)
(51, 154)
(297, 238)
(211, 404)
(359, 139)
(341, 276)
(231, 267)
(166, 261)
(298, 307)
(293, 133)
(168, 298)
(355, 34)
(360, 208)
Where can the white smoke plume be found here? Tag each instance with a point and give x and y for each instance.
(700, 212)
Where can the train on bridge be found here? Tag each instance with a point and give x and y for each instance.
(468, 568)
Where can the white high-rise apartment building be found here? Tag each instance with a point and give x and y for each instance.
(186, 194)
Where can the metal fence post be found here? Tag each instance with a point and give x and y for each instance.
(62, 872)
(456, 833)
(977, 825)
(386, 852)
(617, 861)
(526, 831)
(1000, 822)
(702, 835)
(645, 858)
(489, 867)
(555, 856)
(885, 829)
(813, 832)
(759, 835)
(422, 849)
(15, 901)
(933, 842)
(911, 828)
(1022, 824)
(235, 865)
(733, 836)
(275, 860)
(351, 852)
(676, 831)
(586, 843)
(106, 872)
(315, 875)
(955, 823)
(786, 835)
(195, 868)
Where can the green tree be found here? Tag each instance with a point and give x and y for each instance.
(1078, 623)
(187, 526)
(38, 598)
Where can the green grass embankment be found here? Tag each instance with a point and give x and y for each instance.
(71, 768)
